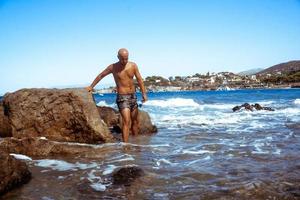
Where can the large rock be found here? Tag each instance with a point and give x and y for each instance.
(114, 120)
(43, 148)
(59, 114)
(5, 127)
(13, 173)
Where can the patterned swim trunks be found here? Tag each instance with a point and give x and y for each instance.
(127, 101)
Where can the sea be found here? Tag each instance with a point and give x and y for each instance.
(202, 150)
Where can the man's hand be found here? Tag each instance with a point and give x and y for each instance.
(145, 98)
(89, 89)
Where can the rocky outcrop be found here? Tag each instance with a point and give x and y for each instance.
(43, 148)
(249, 107)
(5, 127)
(13, 173)
(126, 175)
(114, 120)
(58, 114)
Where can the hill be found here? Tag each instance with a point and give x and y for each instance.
(283, 68)
(250, 71)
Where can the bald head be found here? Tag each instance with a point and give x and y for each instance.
(123, 56)
(123, 51)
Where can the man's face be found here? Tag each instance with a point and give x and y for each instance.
(123, 58)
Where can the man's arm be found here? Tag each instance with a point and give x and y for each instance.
(140, 82)
(104, 73)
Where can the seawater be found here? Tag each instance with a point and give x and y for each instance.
(202, 150)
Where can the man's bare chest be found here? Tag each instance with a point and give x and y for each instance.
(125, 73)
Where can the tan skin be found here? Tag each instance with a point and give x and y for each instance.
(124, 72)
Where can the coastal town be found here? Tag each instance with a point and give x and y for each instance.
(285, 75)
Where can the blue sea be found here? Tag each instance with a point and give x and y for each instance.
(203, 150)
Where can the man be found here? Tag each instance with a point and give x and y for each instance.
(123, 72)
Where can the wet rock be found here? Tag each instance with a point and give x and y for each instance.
(236, 108)
(249, 107)
(5, 127)
(58, 114)
(42, 148)
(13, 172)
(114, 120)
(125, 176)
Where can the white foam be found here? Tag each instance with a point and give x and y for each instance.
(121, 158)
(98, 186)
(102, 103)
(20, 156)
(196, 152)
(173, 102)
(165, 161)
(61, 165)
(297, 101)
(199, 160)
(109, 169)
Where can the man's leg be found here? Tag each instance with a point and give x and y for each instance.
(134, 121)
(125, 113)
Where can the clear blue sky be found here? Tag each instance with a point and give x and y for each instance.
(45, 43)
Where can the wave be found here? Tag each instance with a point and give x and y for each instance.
(102, 103)
(20, 156)
(297, 101)
(61, 165)
(173, 102)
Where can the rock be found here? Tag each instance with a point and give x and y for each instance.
(43, 148)
(257, 106)
(247, 106)
(145, 124)
(125, 176)
(114, 120)
(58, 114)
(236, 108)
(5, 128)
(13, 172)
(109, 115)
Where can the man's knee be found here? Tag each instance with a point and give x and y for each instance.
(126, 122)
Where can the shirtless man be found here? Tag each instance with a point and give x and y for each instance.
(123, 72)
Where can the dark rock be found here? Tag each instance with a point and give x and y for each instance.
(114, 120)
(61, 115)
(125, 176)
(236, 108)
(247, 106)
(13, 172)
(5, 127)
(268, 108)
(257, 106)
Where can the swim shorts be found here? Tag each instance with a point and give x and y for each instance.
(127, 101)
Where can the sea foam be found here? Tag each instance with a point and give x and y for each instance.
(173, 102)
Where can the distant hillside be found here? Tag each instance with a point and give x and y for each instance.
(283, 68)
(250, 71)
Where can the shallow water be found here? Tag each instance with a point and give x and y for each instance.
(202, 151)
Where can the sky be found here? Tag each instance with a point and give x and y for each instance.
(54, 43)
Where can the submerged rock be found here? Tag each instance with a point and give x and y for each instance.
(13, 172)
(58, 114)
(249, 107)
(125, 176)
(114, 120)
